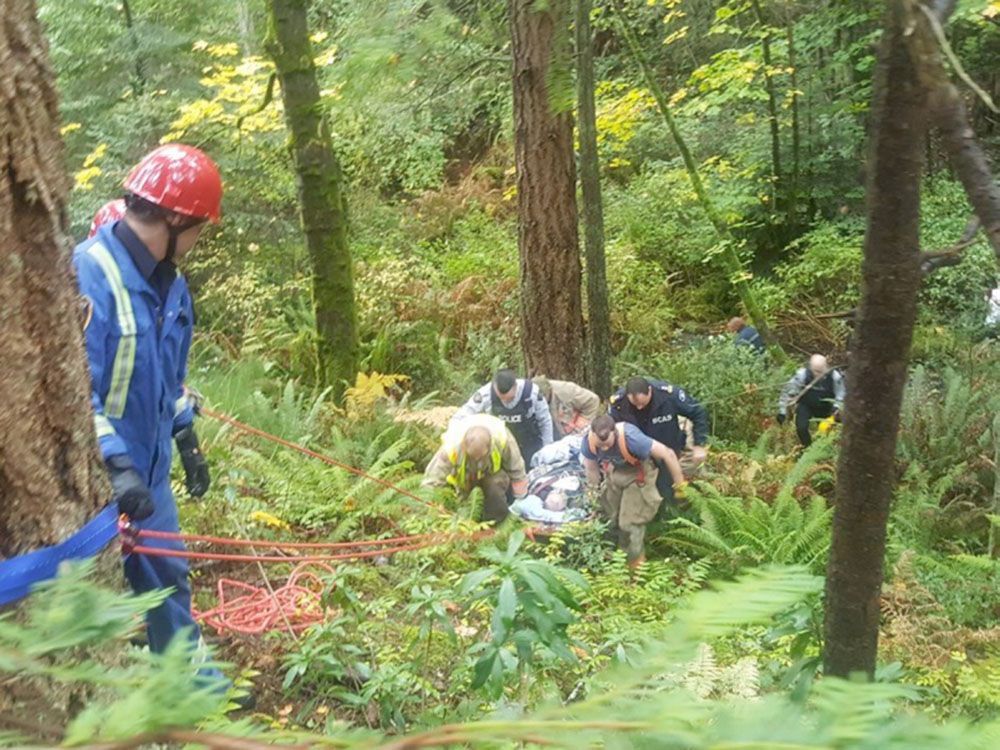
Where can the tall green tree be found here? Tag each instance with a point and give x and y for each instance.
(912, 90)
(48, 448)
(321, 193)
(598, 368)
(551, 308)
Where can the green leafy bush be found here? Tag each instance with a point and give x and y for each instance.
(532, 609)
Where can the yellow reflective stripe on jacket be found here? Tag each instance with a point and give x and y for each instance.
(458, 460)
(121, 373)
(103, 426)
(455, 434)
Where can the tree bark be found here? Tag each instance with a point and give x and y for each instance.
(969, 160)
(551, 308)
(139, 82)
(890, 283)
(772, 102)
(321, 196)
(599, 320)
(51, 478)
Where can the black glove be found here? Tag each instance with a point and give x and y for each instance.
(128, 489)
(193, 460)
(781, 419)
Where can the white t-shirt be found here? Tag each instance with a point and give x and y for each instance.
(993, 313)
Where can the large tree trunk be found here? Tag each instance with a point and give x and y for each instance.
(598, 371)
(51, 478)
(320, 182)
(890, 282)
(551, 310)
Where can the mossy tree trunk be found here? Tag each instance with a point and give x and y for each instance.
(598, 370)
(321, 193)
(51, 478)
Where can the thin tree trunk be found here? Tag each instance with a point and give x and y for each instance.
(879, 357)
(793, 188)
(551, 309)
(244, 22)
(738, 273)
(599, 323)
(51, 478)
(321, 197)
(139, 83)
(772, 104)
(992, 548)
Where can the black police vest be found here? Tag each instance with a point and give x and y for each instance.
(821, 393)
(519, 421)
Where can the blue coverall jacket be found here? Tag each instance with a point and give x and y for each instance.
(137, 347)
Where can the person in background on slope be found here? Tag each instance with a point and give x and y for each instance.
(815, 392)
(746, 335)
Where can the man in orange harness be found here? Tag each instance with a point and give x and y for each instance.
(628, 460)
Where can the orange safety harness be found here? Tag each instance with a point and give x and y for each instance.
(623, 449)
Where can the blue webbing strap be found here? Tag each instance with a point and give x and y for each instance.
(19, 574)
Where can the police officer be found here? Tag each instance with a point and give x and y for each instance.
(517, 402)
(654, 407)
(815, 392)
(137, 337)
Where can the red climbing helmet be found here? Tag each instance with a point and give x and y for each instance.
(179, 178)
(109, 212)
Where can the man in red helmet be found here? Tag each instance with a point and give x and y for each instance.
(137, 339)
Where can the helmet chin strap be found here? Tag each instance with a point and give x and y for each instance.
(173, 232)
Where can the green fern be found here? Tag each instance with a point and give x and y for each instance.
(735, 532)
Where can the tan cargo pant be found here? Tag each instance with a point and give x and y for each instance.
(630, 506)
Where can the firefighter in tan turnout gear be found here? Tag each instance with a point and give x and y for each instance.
(479, 451)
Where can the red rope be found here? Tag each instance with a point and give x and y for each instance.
(295, 605)
(189, 554)
(318, 456)
(153, 534)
